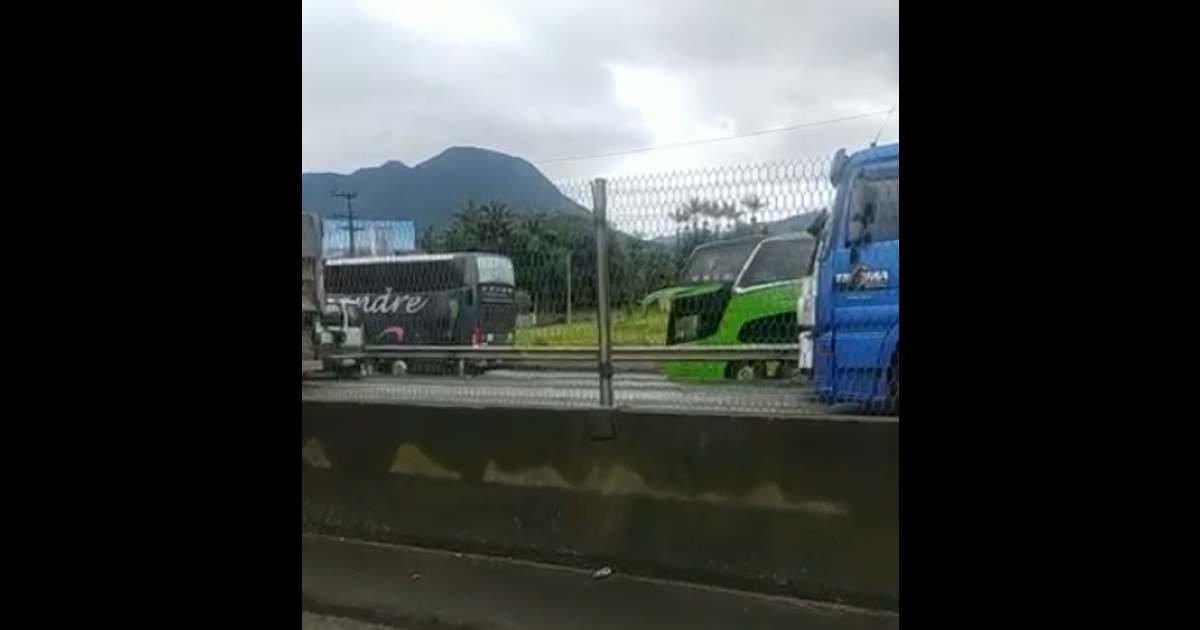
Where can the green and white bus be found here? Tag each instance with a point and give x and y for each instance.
(740, 291)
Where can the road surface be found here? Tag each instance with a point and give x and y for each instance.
(563, 389)
(422, 589)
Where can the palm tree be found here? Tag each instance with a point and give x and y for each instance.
(430, 240)
(753, 205)
(487, 227)
(690, 212)
(729, 213)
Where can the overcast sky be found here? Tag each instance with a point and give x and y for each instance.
(547, 79)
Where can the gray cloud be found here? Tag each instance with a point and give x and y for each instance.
(373, 92)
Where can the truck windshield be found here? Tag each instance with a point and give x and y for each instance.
(777, 261)
(717, 263)
(874, 212)
(353, 313)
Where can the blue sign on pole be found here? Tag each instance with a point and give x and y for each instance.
(372, 237)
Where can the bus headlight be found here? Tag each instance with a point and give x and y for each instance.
(687, 328)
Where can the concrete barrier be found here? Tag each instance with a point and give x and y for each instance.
(808, 508)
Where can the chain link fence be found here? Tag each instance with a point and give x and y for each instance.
(677, 291)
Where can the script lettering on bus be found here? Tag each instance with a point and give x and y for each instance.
(391, 303)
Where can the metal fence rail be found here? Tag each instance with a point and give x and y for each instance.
(635, 354)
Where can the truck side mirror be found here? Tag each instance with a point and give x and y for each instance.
(838, 168)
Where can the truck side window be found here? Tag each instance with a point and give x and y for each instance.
(874, 213)
(331, 316)
(353, 314)
(862, 214)
(886, 226)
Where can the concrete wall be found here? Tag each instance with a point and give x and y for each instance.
(806, 508)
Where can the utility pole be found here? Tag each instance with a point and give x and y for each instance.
(570, 296)
(349, 197)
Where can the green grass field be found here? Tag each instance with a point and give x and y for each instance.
(628, 329)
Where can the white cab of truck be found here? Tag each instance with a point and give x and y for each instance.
(312, 294)
(342, 338)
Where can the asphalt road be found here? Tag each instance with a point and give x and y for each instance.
(422, 589)
(564, 389)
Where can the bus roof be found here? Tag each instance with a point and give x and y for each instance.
(403, 258)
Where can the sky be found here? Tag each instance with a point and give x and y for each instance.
(550, 79)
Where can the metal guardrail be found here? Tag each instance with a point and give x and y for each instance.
(627, 354)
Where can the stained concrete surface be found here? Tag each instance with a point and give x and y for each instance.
(309, 621)
(419, 589)
(806, 509)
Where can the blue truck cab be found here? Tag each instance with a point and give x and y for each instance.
(856, 347)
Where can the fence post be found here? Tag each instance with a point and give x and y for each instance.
(603, 311)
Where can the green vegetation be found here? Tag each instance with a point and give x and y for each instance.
(545, 247)
(644, 328)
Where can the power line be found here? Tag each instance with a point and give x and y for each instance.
(748, 134)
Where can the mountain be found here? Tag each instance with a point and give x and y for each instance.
(431, 192)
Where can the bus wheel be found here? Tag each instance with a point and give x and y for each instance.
(747, 371)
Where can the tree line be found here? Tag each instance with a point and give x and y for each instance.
(546, 248)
